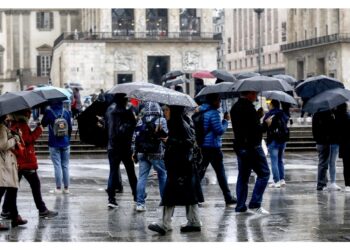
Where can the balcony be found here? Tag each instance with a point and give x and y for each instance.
(318, 41)
(150, 36)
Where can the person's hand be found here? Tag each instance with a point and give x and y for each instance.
(17, 138)
(269, 121)
(165, 139)
(227, 116)
(260, 112)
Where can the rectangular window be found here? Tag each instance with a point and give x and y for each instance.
(1, 63)
(269, 58)
(284, 32)
(276, 58)
(229, 45)
(43, 65)
(235, 64)
(229, 65)
(44, 20)
(251, 62)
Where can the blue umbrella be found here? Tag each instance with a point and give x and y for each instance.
(315, 85)
(327, 100)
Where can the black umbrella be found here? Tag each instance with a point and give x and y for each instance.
(245, 75)
(223, 75)
(224, 89)
(171, 75)
(289, 79)
(76, 85)
(175, 82)
(14, 101)
(279, 96)
(327, 100)
(315, 85)
(51, 94)
(261, 83)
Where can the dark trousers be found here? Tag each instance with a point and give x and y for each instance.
(114, 171)
(33, 179)
(126, 158)
(214, 156)
(11, 193)
(248, 160)
(346, 169)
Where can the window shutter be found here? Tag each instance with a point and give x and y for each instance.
(38, 65)
(38, 20)
(51, 20)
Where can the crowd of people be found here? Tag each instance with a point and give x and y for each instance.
(179, 144)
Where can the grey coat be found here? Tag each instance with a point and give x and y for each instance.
(8, 161)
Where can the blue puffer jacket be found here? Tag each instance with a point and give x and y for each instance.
(213, 127)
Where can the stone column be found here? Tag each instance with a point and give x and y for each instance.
(140, 22)
(106, 20)
(26, 55)
(174, 22)
(344, 20)
(207, 23)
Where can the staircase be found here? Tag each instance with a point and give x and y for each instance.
(300, 140)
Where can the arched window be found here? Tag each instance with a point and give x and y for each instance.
(189, 22)
(123, 22)
(157, 22)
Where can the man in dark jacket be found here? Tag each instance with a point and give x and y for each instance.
(250, 155)
(214, 128)
(120, 130)
(324, 133)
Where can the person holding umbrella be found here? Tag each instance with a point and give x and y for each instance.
(27, 164)
(9, 172)
(277, 135)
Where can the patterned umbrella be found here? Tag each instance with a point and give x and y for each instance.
(126, 88)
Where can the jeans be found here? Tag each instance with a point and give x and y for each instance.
(214, 156)
(60, 160)
(327, 156)
(248, 160)
(145, 165)
(276, 151)
(126, 158)
(34, 182)
(114, 171)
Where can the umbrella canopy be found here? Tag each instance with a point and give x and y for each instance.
(14, 101)
(327, 100)
(315, 85)
(51, 93)
(223, 75)
(279, 96)
(165, 96)
(289, 79)
(261, 83)
(245, 75)
(175, 82)
(126, 88)
(203, 74)
(74, 85)
(171, 75)
(224, 89)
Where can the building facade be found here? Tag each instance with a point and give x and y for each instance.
(241, 40)
(318, 43)
(26, 42)
(219, 29)
(124, 45)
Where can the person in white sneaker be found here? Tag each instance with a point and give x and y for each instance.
(342, 117)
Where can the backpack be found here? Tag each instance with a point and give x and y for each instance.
(198, 121)
(147, 140)
(279, 129)
(60, 125)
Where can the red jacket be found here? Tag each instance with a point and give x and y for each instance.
(29, 137)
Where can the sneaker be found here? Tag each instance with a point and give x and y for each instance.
(322, 188)
(48, 214)
(56, 191)
(347, 189)
(190, 228)
(66, 191)
(231, 202)
(275, 185)
(140, 208)
(112, 204)
(6, 215)
(334, 187)
(283, 183)
(259, 210)
(156, 228)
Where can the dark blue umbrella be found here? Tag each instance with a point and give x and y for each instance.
(327, 100)
(315, 85)
(224, 89)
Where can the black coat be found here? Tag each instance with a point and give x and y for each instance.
(342, 126)
(182, 185)
(324, 128)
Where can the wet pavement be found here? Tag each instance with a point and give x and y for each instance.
(298, 211)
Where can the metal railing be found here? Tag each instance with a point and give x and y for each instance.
(164, 35)
(334, 38)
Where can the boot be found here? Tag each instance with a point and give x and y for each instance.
(18, 221)
(3, 227)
